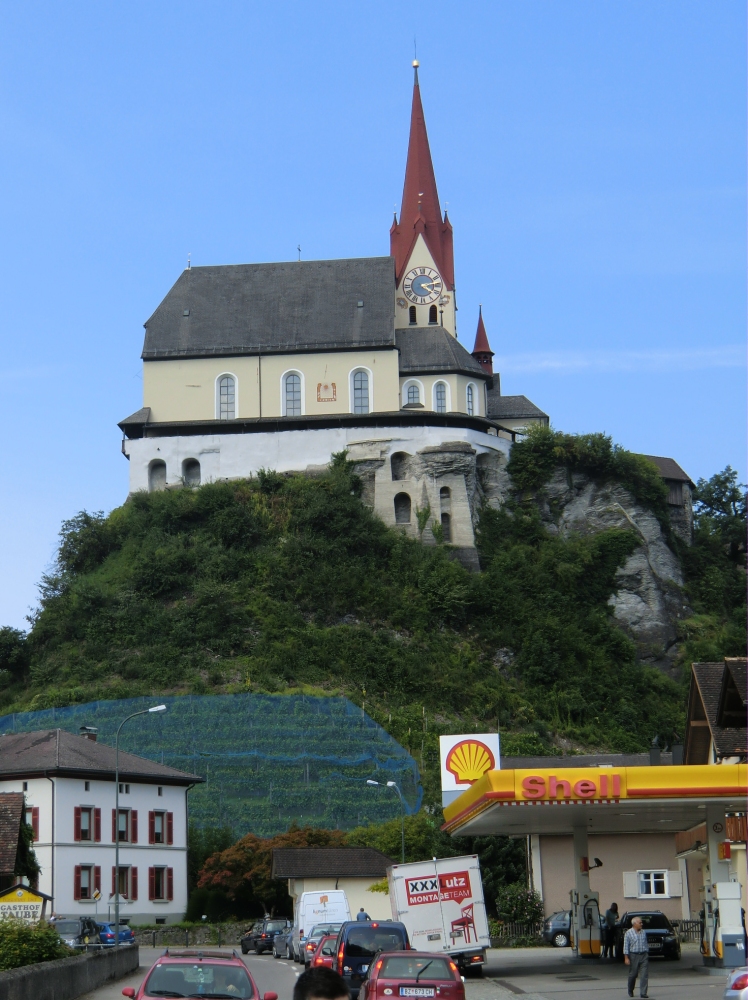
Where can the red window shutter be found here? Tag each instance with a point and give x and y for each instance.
(77, 823)
(97, 825)
(35, 821)
(170, 883)
(151, 883)
(151, 828)
(114, 826)
(77, 883)
(114, 880)
(133, 883)
(97, 877)
(170, 828)
(133, 826)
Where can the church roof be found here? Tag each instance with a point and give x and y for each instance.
(431, 349)
(511, 407)
(481, 338)
(308, 305)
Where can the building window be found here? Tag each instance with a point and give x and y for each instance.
(156, 476)
(652, 884)
(414, 394)
(226, 397)
(433, 319)
(161, 883)
(86, 880)
(191, 472)
(446, 528)
(25, 786)
(160, 827)
(86, 786)
(402, 508)
(128, 881)
(128, 826)
(32, 819)
(124, 789)
(293, 395)
(360, 392)
(86, 831)
(160, 790)
(470, 401)
(440, 396)
(86, 823)
(85, 890)
(412, 318)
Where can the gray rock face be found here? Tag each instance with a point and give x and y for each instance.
(649, 599)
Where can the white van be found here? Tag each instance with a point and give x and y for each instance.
(326, 906)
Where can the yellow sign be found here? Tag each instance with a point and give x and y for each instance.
(22, 903)
(469, 760)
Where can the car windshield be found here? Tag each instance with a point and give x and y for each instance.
(275, 925)
(406, 967)
(199, 979)
(319, 930)
(328, 947)
(68, 927)
(653, 921)
(365, 942)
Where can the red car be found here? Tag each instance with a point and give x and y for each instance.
(196, 974)
(412, 974)
(325, 953)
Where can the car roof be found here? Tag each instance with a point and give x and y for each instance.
(180, 957)
(372, 923)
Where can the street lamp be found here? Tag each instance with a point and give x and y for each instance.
(393, 784)
(145, 711)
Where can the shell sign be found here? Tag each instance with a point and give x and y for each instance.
(465, 759)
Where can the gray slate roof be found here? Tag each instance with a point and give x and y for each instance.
(58, 752)
(237, 309)
(329, 862)
(11, 815)
(510, 407)
(431, 349)
(669, 469)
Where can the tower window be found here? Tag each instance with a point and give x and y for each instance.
(157, 476)
(191, 472)
(440, 394)
(433, 319)
(402, 508)
(470, 401)
(293, 395)
(446, 528)
(360, 392)
(414, 394)
(412, 316)
(226, 397)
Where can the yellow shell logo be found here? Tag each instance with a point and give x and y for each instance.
(469, 760)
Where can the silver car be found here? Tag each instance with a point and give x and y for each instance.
(737, 984)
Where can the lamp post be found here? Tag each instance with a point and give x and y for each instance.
(393, 784)
(145, 711)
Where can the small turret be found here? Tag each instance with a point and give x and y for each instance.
(482, 351)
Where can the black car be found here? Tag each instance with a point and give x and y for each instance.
(77, 932)
(312, 939)
(360, 941)
(259, 938)
(662, 937)
(556, 929)
(283, 943)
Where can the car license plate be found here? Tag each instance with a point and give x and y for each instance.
(417, 991)
(655, 944)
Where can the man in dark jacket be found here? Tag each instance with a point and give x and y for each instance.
(609, 931)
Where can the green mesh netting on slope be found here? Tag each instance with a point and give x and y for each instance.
(267, 760)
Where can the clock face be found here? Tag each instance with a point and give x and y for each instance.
(422, 285)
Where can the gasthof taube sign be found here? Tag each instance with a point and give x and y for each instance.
(23, 903)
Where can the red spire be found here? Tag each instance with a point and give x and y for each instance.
(420, 211)
(481, 350)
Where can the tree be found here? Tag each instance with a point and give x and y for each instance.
(517, 904)
(14, 652)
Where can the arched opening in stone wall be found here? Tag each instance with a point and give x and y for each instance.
(156, 475)
(402, 508)
(399, 466)
(191, 472)
(446, 527)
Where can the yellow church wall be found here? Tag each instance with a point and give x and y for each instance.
(187, 389)
(456, 394)
(421, 257)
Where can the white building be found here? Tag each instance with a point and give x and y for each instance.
(68, 782)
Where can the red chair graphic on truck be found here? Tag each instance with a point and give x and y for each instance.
(465, 923)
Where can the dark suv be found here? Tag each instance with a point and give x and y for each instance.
(259, 937)
(360, 941)
(77, 932)
(662, 937)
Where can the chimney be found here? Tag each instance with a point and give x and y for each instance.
(89, 732)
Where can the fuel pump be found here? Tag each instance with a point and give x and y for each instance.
(722, 936)
(585, 923)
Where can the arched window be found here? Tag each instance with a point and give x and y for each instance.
(402, 508)
(470, 401)
(446, 528)
(445, 498)
(360, 392)
(414, 393)
(440, 396)
(156, 476)
(413, 319)
(292, 401)
(191, 472)
(433, 319)
(226, 397)
(399, 466)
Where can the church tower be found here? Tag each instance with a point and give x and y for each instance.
(421, 242)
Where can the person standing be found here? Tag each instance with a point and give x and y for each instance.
(636, 956)
(611, 919)
(362, 915)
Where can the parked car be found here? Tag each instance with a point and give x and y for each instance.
(413, 974)
(662, 937)
(283, 943)
(325, 953)
(557, 929)
(197, 973)
(360, 941)
(106, 934)
(77, 932)
(259, 937)
(315, 936)
(737, 984)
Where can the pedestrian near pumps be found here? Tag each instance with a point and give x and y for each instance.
(611, 919)
(636, 956)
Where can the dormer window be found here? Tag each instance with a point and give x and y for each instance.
(433, 317)
(412, 317)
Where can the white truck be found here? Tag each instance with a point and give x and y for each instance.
(441, 904)
(325, 906)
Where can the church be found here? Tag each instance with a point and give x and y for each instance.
(278, 366)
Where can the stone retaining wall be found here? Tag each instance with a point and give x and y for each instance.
(67, 978)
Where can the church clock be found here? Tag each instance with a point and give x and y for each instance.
(422, 285)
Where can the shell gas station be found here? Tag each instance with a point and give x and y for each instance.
(578, 802)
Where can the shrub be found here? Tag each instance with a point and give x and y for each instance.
(516, 904)
(25, 944)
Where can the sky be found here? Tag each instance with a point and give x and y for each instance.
(591, 155)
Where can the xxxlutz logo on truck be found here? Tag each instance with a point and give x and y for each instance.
(454, 886)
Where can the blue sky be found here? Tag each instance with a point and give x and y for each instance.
(592, 155)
